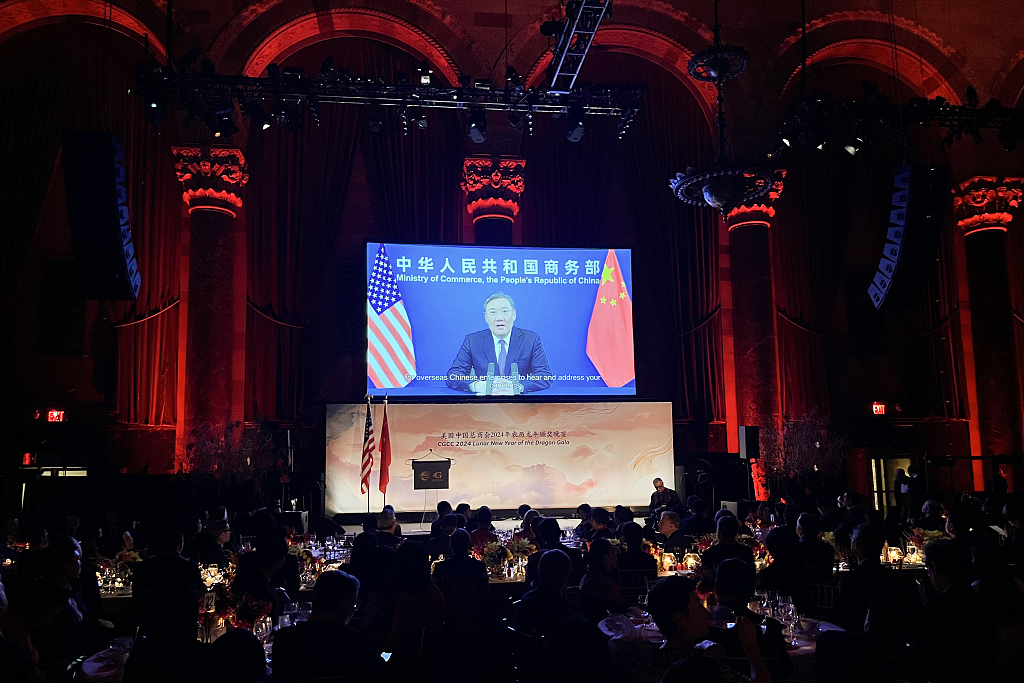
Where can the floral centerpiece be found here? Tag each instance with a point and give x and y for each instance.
(494, 555)
(704, 542)
(919, 538)
(520, 548)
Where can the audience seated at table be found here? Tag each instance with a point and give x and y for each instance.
(599, 593)
(866, 577)
(543, 609)
(419, 609)
(326, 644)
(727, 547)
(683, 621)
(288, 577)
(957, 639)
(386, 528)
(880, 650)
(786, 574)
(166, 588)
(255, 568)
(28, 605)
(441, 544)
(698, 523)
(814, 554)
(460, 564)
(484, 532)
(1003, 599)
(600, 522)
(374, 567)
(551, 539)
(671, 539)
(584, 531)
(208, 547)
(734, 586)
(444, 508)
(632, 557)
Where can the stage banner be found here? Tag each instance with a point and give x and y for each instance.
(548, 455)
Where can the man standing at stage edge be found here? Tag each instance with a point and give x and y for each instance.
(663, 499)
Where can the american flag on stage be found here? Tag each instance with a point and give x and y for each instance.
(390, 356)
(368, 446)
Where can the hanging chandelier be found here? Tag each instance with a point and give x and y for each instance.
(726, 183)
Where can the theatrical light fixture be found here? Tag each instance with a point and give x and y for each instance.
(515, 120)
(326, 70)
(478, 125)
(257, 115)
(426, 73)
(273, 70)
(574, 123)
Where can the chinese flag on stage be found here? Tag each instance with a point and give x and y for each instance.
(385, 453)
(610, 336)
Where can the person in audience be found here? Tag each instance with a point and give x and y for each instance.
(210, 547)
(956, 641)
(31, 604)
(663, 499)
(374, 567)
(237, 657)
(398, 527)
(166, 588)
(734, 585)
(632, 557)
(931, 517)
(1003, 599)
(852, 503)
(460, 564)
(441, 544)
(880, 652)
(522, 510)
(551, 539)
(484, 533)
(831, 515)
(674, 540)
(526, 530)
(289, 578)
(866, 577)
(727, 546)
(583, 530)
(786, 574)
(600, 522)
(444, 508)
(677, 610)
(599, 593)
(254, 571)
(543, 608)
(370, 524)
(467, 514)
(698, 523)
(420, 607)
(386, 524)
(962, 525)
(621, 515)
(317, 648)
(812, 553)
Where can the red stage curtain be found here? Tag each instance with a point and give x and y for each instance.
(809, 238)
(77, 77)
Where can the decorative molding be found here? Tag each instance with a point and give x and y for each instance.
(985, 203)
(493, 186)
(757, 212)
(213, 177)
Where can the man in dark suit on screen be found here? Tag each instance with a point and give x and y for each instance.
(500, 344)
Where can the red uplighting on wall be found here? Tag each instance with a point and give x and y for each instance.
(878, 408)
(54, 415)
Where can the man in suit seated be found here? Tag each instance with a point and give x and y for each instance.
(501, 345)
(326, 644)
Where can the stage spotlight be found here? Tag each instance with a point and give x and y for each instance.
(420, 119)
(257, 115)
(512, 77)
(273, 70)
(786, 142)
(426, 74)
(220, 122)
(515, 120)
(287, 114)
(574, 123)
(477, 125)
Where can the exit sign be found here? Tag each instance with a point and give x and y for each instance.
(878, 408)
(54, 415)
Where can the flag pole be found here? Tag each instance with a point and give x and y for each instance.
(384, 493)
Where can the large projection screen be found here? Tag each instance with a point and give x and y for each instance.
(549, 455)
(570, 322)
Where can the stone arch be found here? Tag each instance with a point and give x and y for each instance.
(1008, 86)
(926, 64)
(270, 30)
(21, 15)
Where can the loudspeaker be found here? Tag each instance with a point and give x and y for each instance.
(97, 200)
(750, 444)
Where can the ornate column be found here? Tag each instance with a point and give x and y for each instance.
(758, 400)
(984, 207)
(493, 186)
(211, 363)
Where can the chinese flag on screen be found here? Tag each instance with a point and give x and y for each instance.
(610, 337)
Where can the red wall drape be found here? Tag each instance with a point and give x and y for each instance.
(77, 77)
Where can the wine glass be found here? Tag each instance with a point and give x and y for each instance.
(789, 616)
(722, 617)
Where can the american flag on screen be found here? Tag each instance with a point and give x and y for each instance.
(368, 445)
(390, 356)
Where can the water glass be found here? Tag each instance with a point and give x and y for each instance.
(788, 615)
(722, 617)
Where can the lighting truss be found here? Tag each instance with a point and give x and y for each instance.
(583, 17)
(159, 82)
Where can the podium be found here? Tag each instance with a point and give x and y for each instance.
(431, 474)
